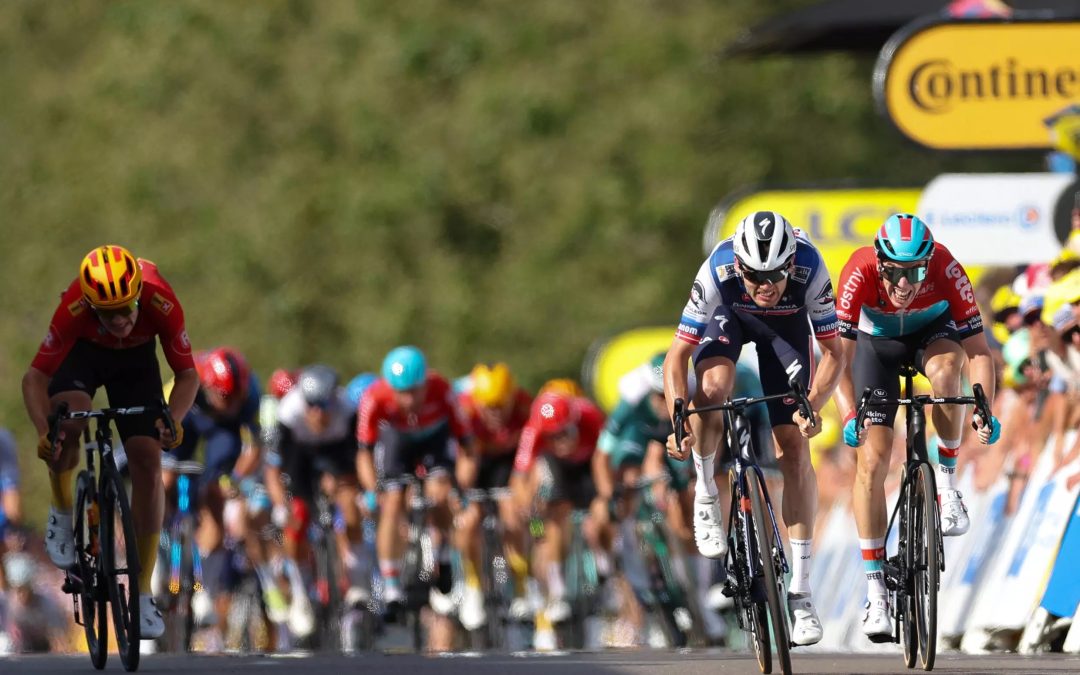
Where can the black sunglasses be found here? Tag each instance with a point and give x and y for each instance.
(895, 274)
(124, 310)
(766, 276)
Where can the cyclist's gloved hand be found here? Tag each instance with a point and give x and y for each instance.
(280, 515)
(851, 433)
(46, 449)
(177, 439)
(995, 431)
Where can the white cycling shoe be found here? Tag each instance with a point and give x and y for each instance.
(954, 515)
(60, 539)
(805, 624)
(151, 622)
(472, 613)
(709, 528)
(557, 610)
(876, 623)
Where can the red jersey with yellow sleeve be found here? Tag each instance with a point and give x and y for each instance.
(590, 422)
(379, 406)
(501, 440)
(160, 316)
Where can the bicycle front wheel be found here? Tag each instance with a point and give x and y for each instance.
(767, 544)
(927, 571)
(93, 598)
(120, 559)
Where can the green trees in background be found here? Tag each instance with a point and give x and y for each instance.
(324, 180)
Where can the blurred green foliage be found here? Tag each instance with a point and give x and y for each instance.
(324, 180)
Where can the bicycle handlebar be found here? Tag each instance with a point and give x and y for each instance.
(797, 392)
(161, 409)
(978, 398)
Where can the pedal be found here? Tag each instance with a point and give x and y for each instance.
(881, 639)
(72, 585)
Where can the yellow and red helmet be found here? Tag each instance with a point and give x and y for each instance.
(110, 277)
(564, 386)
(494, 386)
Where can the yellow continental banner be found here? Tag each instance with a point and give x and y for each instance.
(838, 221)
(979, 85)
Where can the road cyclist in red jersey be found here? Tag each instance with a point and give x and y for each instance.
(102, 334)
(906, 301)
(495, 410)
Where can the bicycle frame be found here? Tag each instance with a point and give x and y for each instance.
(916, 426)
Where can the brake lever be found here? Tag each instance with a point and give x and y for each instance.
(55, 419)
(805, 409)
(861, 412)
(679, 421)
(166, 417)
(982, 406)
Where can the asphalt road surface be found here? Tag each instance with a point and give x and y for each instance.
(651, 662)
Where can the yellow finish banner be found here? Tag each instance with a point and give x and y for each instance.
(979, 85)
(838, 221)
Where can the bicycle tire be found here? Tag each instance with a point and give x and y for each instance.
(752, 612)
(328, 591)
(765, 533)
(664, 588)
(124, 597)
(905, 591)
(92, 600)
(928, 565)
(185, 616)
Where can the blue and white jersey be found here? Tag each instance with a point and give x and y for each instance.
(9, 462)
(809, 293)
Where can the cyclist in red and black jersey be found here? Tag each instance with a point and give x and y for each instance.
(906, 300)
(410, 419)
(495, 410)
(557, 466)
(102, 335)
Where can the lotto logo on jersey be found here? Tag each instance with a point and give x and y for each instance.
(850, 287)
(954, 271)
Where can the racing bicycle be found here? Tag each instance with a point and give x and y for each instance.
(913, 575)
(106, 570)
(756, 563)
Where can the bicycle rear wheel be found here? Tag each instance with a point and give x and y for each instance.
(773, 578)
(120, 559)
(93, 598)
(927, 570)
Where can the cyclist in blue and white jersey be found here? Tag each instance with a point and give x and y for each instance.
(766, 284)
(10, 500)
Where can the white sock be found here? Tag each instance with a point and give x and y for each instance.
(556, 589)
(873, 560)
(800, 566)
(946, 468)
(706, 472)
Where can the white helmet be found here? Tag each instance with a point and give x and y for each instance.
(764, 240)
